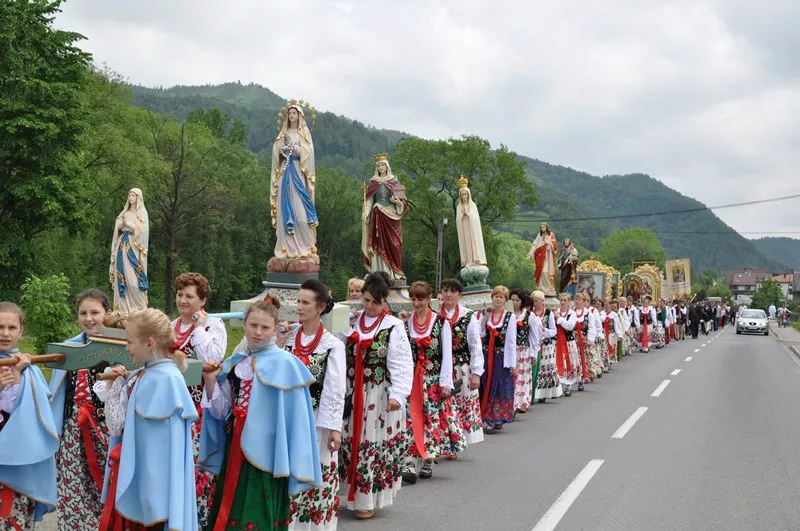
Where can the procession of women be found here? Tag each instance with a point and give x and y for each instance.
(300, 422)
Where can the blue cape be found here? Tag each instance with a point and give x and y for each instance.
(58, 391)
(30, 441)
(279, 434)
(156, 472)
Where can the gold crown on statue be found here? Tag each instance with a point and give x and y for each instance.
(463, 182)
(300, 104)
(382, 157)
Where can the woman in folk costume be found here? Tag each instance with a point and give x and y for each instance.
(647, 314)
(636, 323)
(581, 331)
(659, 328)
(78, 414)
(27, 433)
(614, 331)
(150, 481)
(318, 509)
(568, 357)
(592, 329)
(292, 188)
(380, 372)
(385, 204)
(500, 362)
(467, 362)
(128, 269)
(258, 430)
(547, 382)
(602, 338)
(526, 352)
(433, 422)
(204, 338)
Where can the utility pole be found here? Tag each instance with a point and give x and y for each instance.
(440, 254)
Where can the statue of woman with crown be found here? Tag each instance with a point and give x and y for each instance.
(385, 204)
(293, 183)
(470, 239)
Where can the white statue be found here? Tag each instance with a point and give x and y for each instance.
(468, 224)
(128, 270)
(293, 184)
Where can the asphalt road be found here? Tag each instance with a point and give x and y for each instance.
(718, 448)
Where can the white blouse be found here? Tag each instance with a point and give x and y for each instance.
(446, 371)
(399, 360)
(651, 315)
(615, 321)
(510, 346)
(548, 332)
(534, 329)
(589, 331)
(210, 343)
(474, 341)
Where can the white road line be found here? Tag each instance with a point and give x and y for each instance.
(701, 346)
(660, 389)
(697, 350)
(628, 424)
(675, 372)
(688, 359)
(560, 507)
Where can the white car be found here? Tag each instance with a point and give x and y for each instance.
(753, 321)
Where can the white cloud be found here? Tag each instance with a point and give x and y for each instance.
(701, 94)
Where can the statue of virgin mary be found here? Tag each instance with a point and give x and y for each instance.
(385, 204)
(128, 270)
(470, 238)
(293, 183)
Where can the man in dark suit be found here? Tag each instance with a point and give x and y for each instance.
(694, 319)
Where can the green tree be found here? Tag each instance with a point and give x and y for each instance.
(706, 279)
(767, 292)
(622, 247)
(720, 290)
(510, 266)
(48, 316)
(42, 115)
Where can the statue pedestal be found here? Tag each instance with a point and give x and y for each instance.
(551, 303)
(477, 299)
(285, 287)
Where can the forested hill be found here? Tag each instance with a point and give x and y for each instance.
(563, 192)
(786, 250)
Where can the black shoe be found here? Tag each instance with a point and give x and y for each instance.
(580, 386)
(427, 470)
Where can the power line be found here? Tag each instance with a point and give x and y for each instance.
(594, 229)
(668, 212)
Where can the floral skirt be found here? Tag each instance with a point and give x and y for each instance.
(79, 505)
(379, 457)
(468, 407)
(523, 386)
(571, 372)
(611, 350)
(548, 384)
(318, 509)
(203, 479)
(21, 517)
(260, 501)
(499, 393)
(657, 338)
(594, 364)
(443, 433)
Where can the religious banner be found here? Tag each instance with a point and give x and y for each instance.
(679, 278)
(651, 280)
(596, 279)
(632, 287)
(635, 264)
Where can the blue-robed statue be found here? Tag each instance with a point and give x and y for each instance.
(128, 271)
(293, 183)
(568, 265)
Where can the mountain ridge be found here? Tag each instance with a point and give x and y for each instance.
(564, 193)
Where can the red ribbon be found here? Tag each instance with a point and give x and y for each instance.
(581, 349)
(232, 469)
(417, 399)
(562, 353)
(357, 416)
(87, 425)
(111, 519)
(493, 333)
(645, 335)
(6, 501)
(612, 349)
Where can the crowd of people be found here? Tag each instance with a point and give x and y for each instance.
(297, 416)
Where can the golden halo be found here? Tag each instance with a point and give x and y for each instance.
(297, 103)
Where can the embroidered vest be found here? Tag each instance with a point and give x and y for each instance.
(374, 362)
(500, 340)
(433, 354)
(461, 354)
(523, 330)
(318, 367)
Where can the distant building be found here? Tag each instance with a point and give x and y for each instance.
(786, 282)
(743, 282)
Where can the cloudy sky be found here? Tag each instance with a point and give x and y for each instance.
(701, 94)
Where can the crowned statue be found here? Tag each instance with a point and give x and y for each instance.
(128, 269)
(470, 238)
(543, 252)
(385, 204)
(568, 264)
(292, 185)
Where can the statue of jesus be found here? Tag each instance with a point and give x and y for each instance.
(543, 252)
(385, 204)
